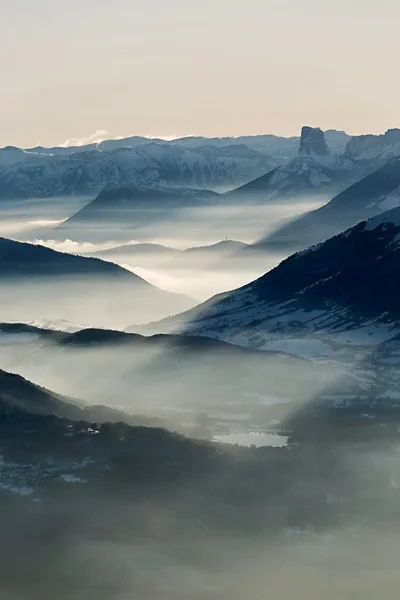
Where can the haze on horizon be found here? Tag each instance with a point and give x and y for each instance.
(183, 67)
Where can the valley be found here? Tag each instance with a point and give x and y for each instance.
(199, 352)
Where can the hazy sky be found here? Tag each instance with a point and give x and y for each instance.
(213, 67)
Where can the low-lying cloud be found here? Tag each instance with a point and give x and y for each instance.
(94, 138)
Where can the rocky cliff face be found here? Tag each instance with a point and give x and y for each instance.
(312, 141)
(376, 149)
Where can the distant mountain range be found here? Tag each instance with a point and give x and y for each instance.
(215, 163)
(64, 172)
(52, 285)
(121, 208)
(267, 144)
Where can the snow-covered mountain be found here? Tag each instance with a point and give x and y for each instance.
(335, 301)
(316, 171)
(216, 163)
(374, 194)
(38, 173)
(374, 150)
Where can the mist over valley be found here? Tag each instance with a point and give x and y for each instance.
(199, 357)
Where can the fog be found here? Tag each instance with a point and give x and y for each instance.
(174, 379)
(185, 226)
(24, 218)
(104, 510)
(198, 276)
(187, 540)
(88, 301)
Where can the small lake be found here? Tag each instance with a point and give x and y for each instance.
(253, 438)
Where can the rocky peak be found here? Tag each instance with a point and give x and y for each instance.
(312, 141)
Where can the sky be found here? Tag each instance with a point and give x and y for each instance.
(88, 69)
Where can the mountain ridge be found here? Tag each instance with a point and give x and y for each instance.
(321, 293)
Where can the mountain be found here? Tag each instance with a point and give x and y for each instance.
(120, 210)
(54, 285)
(267, 144)
(63, 172)
(217, 163)
(314, 172)
(374, 150)
(374, 194)
(119, 202)
(335, 301)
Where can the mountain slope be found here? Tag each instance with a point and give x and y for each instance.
(118, 212)
(54, 285)
(20, 396)
(119, 203)
(329, 299)
(315, 171)
(376, 193)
